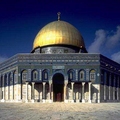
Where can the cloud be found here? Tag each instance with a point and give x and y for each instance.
(113, 40)
(98, 41)
(116, 57)
(3, 58)
(106, 42)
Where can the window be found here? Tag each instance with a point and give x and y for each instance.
(15, 77)
(24, 76)
(45, 74)
(82, 75)
(71, 74)
(92, 75)
(35, 75)
(10, 79)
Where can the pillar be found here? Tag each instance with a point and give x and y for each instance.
(72, 87)
(26, 92)
(65, 92)
(77, 93)
(12, 87)
(105, 79)
(89, 92)
(114, 88)
(104, 92)
(118, 89)
(50, 98)
(109, 87)
(0, 88)
(3, 89)
(52, 92)
(43, 93)
(83, 92)
(33, 85)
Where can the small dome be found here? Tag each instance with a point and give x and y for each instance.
(58, 33)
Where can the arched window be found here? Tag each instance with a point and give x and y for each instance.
(45, 74)
(24, 76)
(92, 75)
(71, 75)
(35, 75)
(82, 75)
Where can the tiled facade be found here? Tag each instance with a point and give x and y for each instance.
(78, 77)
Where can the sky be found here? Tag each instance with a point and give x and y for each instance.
(97, 20)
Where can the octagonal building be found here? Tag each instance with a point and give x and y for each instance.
(59, 69)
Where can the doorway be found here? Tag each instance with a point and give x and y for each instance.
(58, 87)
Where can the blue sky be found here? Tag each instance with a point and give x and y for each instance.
(97, 20)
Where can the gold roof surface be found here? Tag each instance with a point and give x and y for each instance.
(58, 32)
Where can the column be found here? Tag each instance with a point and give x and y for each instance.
(0, 88)
(114, 88)
(77, 93)
(109, 87)
(105, 79)
(3, 89)
(89, 92)
(26, 92)
(72, 87)
(83, 92)
(7, 88)
(104, 92)
(65, 94)
(12, 87)
(50, 99)
(43, 92)
(118, 88)
(33, 84)
(98, 94)
(52, 92)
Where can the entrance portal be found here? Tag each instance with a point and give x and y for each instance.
(58, 87)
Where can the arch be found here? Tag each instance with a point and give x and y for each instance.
(34, 75)
(71, 75)
(81, 75)
(45, 75)
(58, 87)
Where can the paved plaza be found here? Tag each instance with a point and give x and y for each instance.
(59, 111)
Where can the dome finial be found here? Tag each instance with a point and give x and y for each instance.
(58, 16)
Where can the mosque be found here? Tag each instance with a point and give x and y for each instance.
(59, 69)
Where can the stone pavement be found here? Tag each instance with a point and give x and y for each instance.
(59, 111)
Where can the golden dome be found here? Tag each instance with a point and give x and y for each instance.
(58, 33)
